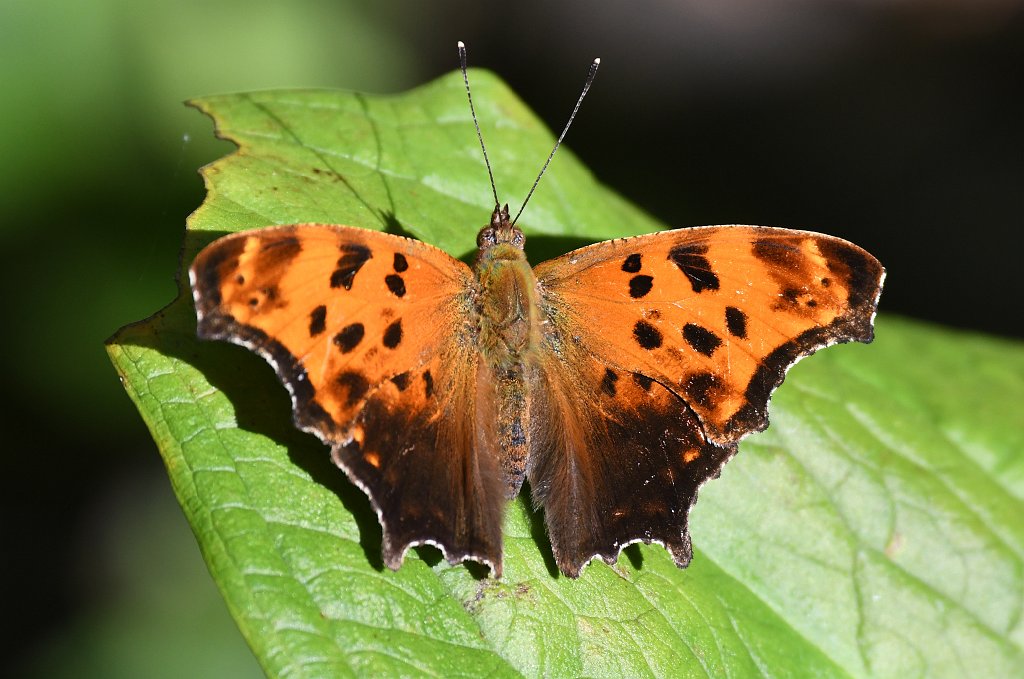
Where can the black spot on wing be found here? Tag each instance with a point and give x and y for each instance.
(700, 387)
(643, 381)
(736, 322)
(632, 263)
(646, 335)
(354, 385)
(400, 263)
(317, 320)
(268, 297)
(701, 339)
(695, 266)
(349, 337)
(608, 382)
(401, 380)
(395, 284)
(640, 285)
(393, 334)
(353, 256)
(791, 295)
(428, 383)
(794, 298)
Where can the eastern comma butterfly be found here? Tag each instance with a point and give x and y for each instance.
(617, 378)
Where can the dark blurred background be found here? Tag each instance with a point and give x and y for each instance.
(894, 123)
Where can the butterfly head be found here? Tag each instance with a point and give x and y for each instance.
(501, 230)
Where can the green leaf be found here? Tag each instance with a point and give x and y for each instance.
(873, 529)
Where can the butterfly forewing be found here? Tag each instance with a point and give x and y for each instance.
(716, 314)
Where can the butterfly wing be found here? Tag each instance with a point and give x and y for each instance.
(368, 332)
(683, 335)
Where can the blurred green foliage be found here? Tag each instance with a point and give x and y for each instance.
(149, 606)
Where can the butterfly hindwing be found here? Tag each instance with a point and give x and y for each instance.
(366, 331)
(426, 452)
(622, 463)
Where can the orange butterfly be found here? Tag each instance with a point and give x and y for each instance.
(617, 378)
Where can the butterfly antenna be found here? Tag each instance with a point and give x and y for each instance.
(586, 87)
(469, 95)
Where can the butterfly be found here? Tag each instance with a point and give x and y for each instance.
(617, 378)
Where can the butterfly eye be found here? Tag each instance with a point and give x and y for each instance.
(486, 238)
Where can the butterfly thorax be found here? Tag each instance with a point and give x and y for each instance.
(507, 302)
(508, 311)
